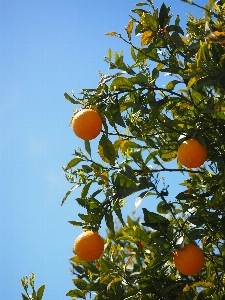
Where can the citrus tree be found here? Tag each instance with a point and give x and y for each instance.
(149, 126)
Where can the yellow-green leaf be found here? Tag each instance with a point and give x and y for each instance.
(192, 81)
(121, 83)
(106, 150)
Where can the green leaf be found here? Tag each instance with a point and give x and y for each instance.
(129, 172)
(85, 189)
(72, 163)
(175, 28)
(141, 3)
(24, 297)
(137, 233)
(81, 284)
(168, 152)
(133, 54)
(86, 218)
(87, 146)
(119, 215)
(110, 222)
(192, 81)
(155, 73)
(163, 15)
(40, 292)
(120, 180)
(76, 293)
(109, 53)
(155, 221)
(170, 85)
(87, 168)
(106, 265)
(115, 111)
(106, 150)
(76, 223)
(68, 192)
(121, 83)
(149, 21)
(163, 208)
(119, 63)
(34, 296)
(70, 99)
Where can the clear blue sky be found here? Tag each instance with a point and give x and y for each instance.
(47, 47)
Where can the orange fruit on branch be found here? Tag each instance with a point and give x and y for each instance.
(189, 260)
(191, 153)
(87, 124)
(89, 245)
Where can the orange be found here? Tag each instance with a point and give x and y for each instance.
(192, 154)
(87, 124)
(89, 245)
(189, 260)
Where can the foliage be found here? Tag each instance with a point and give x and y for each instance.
(29, 282)
(172, 90)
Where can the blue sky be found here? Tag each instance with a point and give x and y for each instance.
(47, 48)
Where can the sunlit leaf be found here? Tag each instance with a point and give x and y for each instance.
(121, 83)
(76, 293)
(40, 292)
(112, 33)
(130, 28)
(73, 163)
(146, 37)
(106, 150)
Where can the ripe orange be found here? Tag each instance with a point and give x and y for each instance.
(87, 124)
(192, 154)
(189, 260)
(89, 245)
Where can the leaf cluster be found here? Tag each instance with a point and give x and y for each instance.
(145, 121)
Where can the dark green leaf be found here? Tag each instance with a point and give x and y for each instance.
(176, 28)
(155, 73)
(110, 222)
(163, 208)
(155, 221)
(24, 297)
(87, 146)
(87, 169)
(163, 15)
(87, 218)
(119, 215)
(115, 111)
